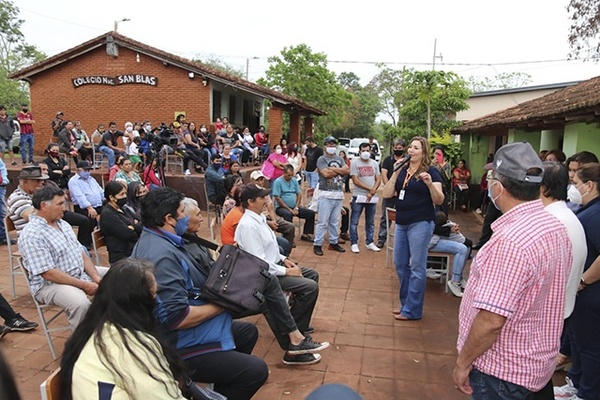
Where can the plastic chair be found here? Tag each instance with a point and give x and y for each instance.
(13, 255)
(216, 208)
(50, 388)
(443, 262)
(97, 155)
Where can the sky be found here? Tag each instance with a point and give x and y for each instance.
(472, 37)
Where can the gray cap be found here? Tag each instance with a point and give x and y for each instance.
(330, 139)
(513, 160)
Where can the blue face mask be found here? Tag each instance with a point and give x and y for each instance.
(84, 174)
(490, 193)
(182, 225)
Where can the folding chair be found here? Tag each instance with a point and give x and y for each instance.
(389, 241)
(50, 388)
(97, 155)
(41, 308)
(443, 261)
(216, 208)
(98, 242)
(13, 255)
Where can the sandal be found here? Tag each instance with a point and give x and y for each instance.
(306, 238)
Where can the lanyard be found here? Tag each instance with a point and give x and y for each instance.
(406, 179)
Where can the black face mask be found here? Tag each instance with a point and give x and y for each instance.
(216, 166)
(25, 109)
(121, 202)
(398, 153)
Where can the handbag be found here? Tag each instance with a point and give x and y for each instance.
(237, 281)
(268, 169)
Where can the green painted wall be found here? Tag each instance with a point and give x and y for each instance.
(581, 136)
(519, 135)
(475, 149)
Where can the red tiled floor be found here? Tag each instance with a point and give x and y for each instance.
(371, 352)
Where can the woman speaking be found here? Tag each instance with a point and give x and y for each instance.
(417, 188)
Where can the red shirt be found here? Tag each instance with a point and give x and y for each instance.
(26, 127)
(520, 274)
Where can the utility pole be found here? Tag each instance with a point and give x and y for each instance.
(429, 97)
(248, 66)
(116, 26)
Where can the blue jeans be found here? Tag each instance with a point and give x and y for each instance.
(265, 149)
(488, 387)
(2, 213)
(26, 138)
(357, 209)
(238, 153)
(109, 153)
(410, 259)
(329, 218)
(461, 253)
(312, 178)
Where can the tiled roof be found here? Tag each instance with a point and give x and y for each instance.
(192, 66)
(580, 102)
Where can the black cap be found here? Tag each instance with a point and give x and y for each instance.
(252, 192)
(32, 173)
(84, 165)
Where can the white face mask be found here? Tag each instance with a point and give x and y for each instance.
(148, 128)
(574, 195)
(365, 155)
(492, 198)
(278, 151)
(330, 150)
(304, 147)
(129, 129)
(203, 130)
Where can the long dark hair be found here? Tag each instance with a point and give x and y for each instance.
(125, 300)
(132, 200)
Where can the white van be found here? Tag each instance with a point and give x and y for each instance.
(353, 148)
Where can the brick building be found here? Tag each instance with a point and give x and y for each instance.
(115, 78)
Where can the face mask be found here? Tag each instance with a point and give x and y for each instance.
(398, 153)
(25, 109)
(182, 225)
(261, 130)
(491, 196)
(365, 155)
(53, 153)
(84, 174)
(121, 202)
(148, 128)
(203, 130)
(129, 129)
(304, 147)
(216, 165)
(278, 151)
(330, 150)
(573, 195)
(141, 196)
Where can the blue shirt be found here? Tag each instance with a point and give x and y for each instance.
(85, 192)
(286, 191)
(4, 173)
(589, 216)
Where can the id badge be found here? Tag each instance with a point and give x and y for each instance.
(401, 195)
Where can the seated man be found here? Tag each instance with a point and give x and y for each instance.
(19, 202)
(108, 144)
(254, 236)
(213, 347)
(276, 310)
(59, 270)
(215, 180)
(288, 196)
(87, 196)
(278, 224)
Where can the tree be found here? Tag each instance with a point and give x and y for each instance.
(359, 116)
(220, 65)
(300, 73)
(584, 30)
(15, 54)
(501, 81)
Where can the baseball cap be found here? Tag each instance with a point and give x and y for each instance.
(514, 160)
(255, 175)
(330, 139)
(32, 173)
(251, 192)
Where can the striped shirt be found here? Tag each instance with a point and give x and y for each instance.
(44, 248)
(19, 202)
(520, 274)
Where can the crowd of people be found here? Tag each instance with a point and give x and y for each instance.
(535, 270)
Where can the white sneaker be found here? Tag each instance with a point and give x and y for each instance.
(463, 283)
(372, 246)
(455, 288)
(432, 274)
(355, 248)
(187, 172)
(567, 391)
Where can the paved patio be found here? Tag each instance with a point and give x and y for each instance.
(371, 352)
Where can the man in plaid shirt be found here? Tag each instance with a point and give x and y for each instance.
(512, 311)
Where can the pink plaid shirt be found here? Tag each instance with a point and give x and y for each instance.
(520, 274)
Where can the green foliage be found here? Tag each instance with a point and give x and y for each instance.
(452, 148)
(359, 116)
(220, 65)
(500, 81)
(585, 26)
(14, 55)
(299, 72)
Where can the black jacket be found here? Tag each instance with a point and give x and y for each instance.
(119, 238)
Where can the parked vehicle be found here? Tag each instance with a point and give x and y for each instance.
(353, 149)
(16, 139)
(343, 145)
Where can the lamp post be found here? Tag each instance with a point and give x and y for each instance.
(116, 27)
(248, 65)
